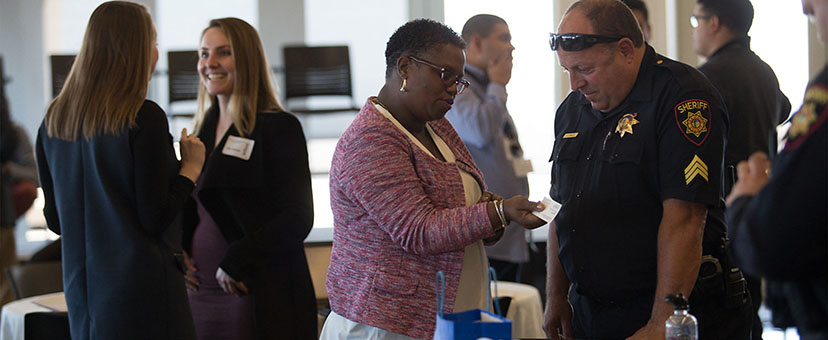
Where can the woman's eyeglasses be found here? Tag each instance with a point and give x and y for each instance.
(572, 42)
(446, 76)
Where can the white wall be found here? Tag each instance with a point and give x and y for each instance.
(21, 46)
(658, 20)
(280, 22)
(432, 9)
(179, 31)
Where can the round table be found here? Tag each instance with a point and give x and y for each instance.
(525, 310)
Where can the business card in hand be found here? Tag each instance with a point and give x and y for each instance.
(548, 214)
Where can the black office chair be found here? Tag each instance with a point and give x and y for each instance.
(183, 71)
(61, 65)
(317, 71)
(182, 68)
(49, 252)
(38, 278)
(46, 326)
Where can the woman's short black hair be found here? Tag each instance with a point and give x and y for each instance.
(417, 37)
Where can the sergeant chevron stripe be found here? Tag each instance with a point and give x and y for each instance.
(695, 168)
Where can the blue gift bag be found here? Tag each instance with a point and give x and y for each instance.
(473, 324)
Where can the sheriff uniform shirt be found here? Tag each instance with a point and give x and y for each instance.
(612, 171)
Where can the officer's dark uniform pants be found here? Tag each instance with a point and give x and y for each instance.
(754, 287)
(718, 322)
(609, 320)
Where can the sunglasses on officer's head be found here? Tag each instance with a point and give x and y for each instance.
(572, 42)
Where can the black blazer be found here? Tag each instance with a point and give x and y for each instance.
(115, 201)
(264, 209)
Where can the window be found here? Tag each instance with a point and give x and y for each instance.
(532, 102)
(789, 60)
(365, 27)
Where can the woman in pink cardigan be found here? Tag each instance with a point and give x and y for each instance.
(408, 200)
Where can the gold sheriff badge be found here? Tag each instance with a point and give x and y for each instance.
(625, 124)
(695, 123)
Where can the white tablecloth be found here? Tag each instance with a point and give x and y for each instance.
(525, 310)
(14, 314)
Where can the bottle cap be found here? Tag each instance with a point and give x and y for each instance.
(678, 301)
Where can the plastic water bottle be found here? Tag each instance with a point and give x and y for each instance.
(681, 325)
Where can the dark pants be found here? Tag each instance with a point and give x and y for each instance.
(717, 322)
(605, 321)
(754, 287)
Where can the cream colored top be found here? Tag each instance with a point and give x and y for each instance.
(472, 291)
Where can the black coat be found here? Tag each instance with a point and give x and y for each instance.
(264, 209)
(780, 233)
(115, 201)
(755, 104)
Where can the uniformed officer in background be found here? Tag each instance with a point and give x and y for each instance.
(750, 90)
(637, 165)
(777, 215)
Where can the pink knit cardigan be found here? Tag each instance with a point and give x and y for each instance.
(399, 217)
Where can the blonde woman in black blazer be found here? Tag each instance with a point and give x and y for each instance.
(245, 227)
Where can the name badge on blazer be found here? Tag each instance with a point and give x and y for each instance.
(238, 147)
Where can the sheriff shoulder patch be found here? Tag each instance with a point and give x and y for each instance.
(814, 110)
(696, 168)
(693, 119)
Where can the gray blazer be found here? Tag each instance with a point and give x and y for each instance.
(481, 119)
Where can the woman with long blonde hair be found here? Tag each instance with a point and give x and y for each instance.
(113, 186)
(245, 228)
